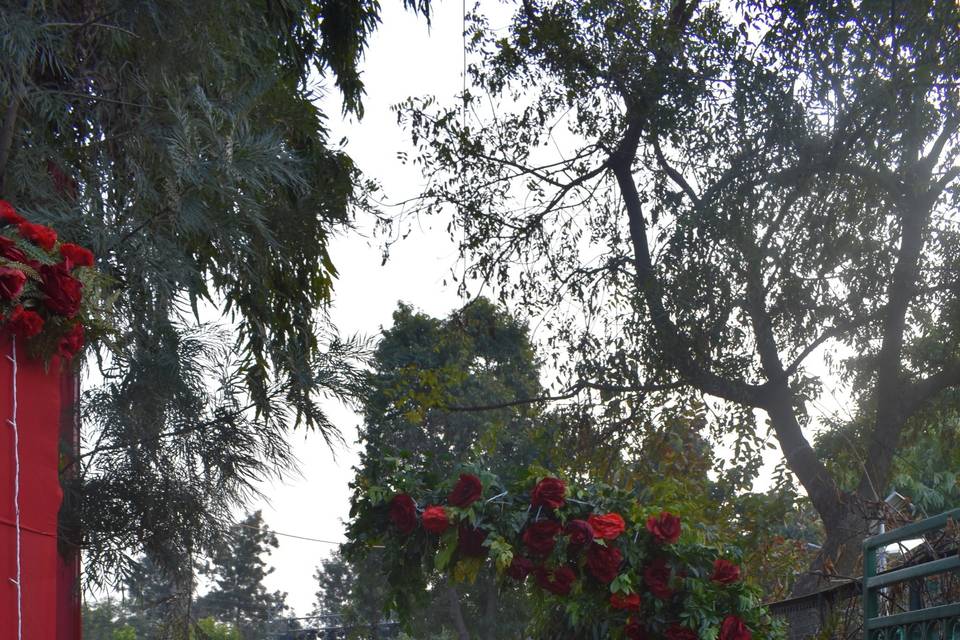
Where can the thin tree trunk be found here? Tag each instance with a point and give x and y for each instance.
(456, 613)
(490, 608)
(6, 138)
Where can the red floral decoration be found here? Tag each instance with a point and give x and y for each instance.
(76, 256)
(520, 568)
(657, 578)
(664, 528)
(63, 291)
(42, 297)
(634, 630)
(557, 581)
(8, 215)
(725, 572)
(580, 533)
(71, 343)
(733, 628)
(630, 602)
(541, 537)
(403, 513)
(40, 235)
(24, 323)
(549, 493)
(470, 541)
(603, 562)
(637, 585)
(680, 632)
(467, 491)
(607, 527)
(435, 519)
(11, 282)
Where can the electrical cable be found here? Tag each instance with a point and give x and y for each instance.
(16, 489)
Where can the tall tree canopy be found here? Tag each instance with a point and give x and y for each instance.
(237, 568)
(723, 201)
(422, 367)
(183, 142)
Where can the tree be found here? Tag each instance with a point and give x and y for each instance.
(157, 601)
(924, 467)
(237, 569)
(745, 199)
(427, 372)
(104, 621)
(353, 595)
(213, 630)
(184, 142)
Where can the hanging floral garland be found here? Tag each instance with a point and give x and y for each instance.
(44, 287)
(593, 553)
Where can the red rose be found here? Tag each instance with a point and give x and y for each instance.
(11, 282)
(10, 251)
(519, 568)
(541, 536)
(629, 602)
(657, 578)
(580, 532)
(470, 541)
(24, 323)
(604, 562)
(607, 527)
(557, 581)
(679, 632)
(665, 528)
(634, 630)
(71, 343)
(435, 519)
(733, 628)
(725, 572)
(549, 493)
(467, 491)
(76, 256)
(63, 292)
(8, 215)
(42, 236)
(403, 513)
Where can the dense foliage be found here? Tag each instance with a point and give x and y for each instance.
(738, 204)
(601, 564)
(183, 143)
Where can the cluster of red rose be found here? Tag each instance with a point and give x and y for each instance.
(594, 537)
(31, 291)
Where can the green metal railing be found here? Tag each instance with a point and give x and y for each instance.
(931, 623)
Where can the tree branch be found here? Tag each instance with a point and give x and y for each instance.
(950, 127)
(572, 392)
(890, 415)
(673, 345)
(925, 390)
(780, 402)
(675, 175)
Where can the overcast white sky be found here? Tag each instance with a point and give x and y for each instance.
(404, 59)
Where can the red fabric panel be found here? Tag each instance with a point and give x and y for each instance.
(69, 625)
(39, 427)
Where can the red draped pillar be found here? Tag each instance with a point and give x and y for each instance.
(40, 408)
